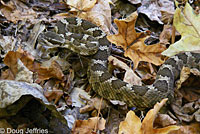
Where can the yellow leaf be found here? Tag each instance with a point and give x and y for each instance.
(187, 24)
(133, 125)
(133, 43)
(81, 4)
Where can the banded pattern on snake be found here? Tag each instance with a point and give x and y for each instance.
(85, 38)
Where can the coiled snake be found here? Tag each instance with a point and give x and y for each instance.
(86, 38)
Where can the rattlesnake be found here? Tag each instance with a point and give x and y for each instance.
(85, 38)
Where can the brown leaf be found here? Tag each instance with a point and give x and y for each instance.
(13, 12)
(23, 73)
(129, 76)
(53, 71)
(164, 120)
(147, 73)
(44, 73)
(11, 60)
(53, 95)
(7, 75)
(188, 129)
(166, 35)
(152, 9)
(91, 10)
(93, 103)
(192, 84)
(147, 124)
(186, 105)
(96, 15)
(133, 125)
(185, 73)
(88, 126)
(133, 43)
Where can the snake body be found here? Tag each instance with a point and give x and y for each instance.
(80, 35)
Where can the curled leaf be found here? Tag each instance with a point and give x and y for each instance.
(133, 125)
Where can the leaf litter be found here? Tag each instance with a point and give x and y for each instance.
(45, 85)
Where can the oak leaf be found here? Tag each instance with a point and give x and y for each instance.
(133, 43)
(187, 24)
(133, 125)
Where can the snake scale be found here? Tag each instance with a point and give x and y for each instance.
(85, 38)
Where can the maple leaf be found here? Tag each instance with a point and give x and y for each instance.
(187, 24)
(133, 43)
(133, 125)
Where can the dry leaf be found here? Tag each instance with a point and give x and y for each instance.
(133, 43)
(164, 120)
(166, 35)
(23, 74)
(185, 73)
(11, 60)
(130, 76)
(153, 8)
(133, 125)
(188, 129)
(147, 124)
(187, 112)
(186, 106)
(44, 73)
(53, 95)
(192, 94)
(7, 75)
(187, 24)
(93, 103)
(13, 13)
(88, 126)
(7, 43)
(147, 73)
(92, 11)
(82, 5)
